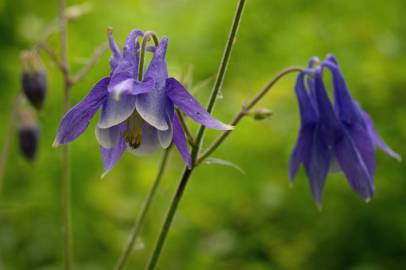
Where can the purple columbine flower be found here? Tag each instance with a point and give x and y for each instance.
(340, 137)
(137, 116)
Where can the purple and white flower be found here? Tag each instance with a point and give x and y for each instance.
(135, 115)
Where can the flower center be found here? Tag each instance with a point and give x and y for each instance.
(133, 134)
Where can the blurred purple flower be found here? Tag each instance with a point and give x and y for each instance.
(137, 116)
(340, 137)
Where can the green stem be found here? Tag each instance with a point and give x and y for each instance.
(245, 110)
(144, 211)
(7, 140)
(200, 134)
(220, 74)
(168, 219)
(66, 173)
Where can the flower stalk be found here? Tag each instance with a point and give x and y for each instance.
(199, 138)
(7, 140)
(122, 261)
(147, 37)
(66, 173)
(245, 110)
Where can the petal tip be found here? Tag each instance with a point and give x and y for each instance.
(56, 143)
(229, 127)
(368, 199)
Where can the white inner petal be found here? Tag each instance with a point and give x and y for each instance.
(114, 112)
(107, 137)
(165, 136)
(149, 142)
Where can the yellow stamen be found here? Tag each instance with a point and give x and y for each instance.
(133, 134)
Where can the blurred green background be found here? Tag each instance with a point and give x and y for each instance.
(227, 220)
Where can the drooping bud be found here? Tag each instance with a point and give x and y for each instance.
(33, 79)
(28, 132)
(261, 113)
(28, 138)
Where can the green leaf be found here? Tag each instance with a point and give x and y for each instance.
(213, 160)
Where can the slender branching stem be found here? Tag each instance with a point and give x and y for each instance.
(195, 149)
(7, 140)
(245, 110)
(147, 36)
(66, 173)
(142, 215)
(98, 52)
(220, 74)
(52, 55)
(168, 219)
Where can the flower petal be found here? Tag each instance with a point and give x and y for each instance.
(376, 139)
(332, 59)
(189, 105)
(157, 69)
(112, 155)
(131, 45)
(326, 112)
(149, 142)
(77, 119)
(113, 112)
(131, 87)
(152, 108)
(115, 58)
(300, 151)
(356, 159)
(108, 137)
(165, 136)
(316, 161)
(307, 111)
(343, 102)
(313, 60)
(179, 140)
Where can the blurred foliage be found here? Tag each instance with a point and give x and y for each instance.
(227, 220)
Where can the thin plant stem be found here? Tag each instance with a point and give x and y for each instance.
(122, 261)
(200, 134)
(66, 173)
(52, 55)
(7, 140)
(98, 52)
(220, 74)
(169, 218)
(245, 110)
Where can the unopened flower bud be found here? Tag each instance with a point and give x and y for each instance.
(28, 132)
(28, 140)
(33, 79)
(261, 113)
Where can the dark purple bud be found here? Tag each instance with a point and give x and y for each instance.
(28, 140)
(33, 79)
(35, 87)
(28, 130)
